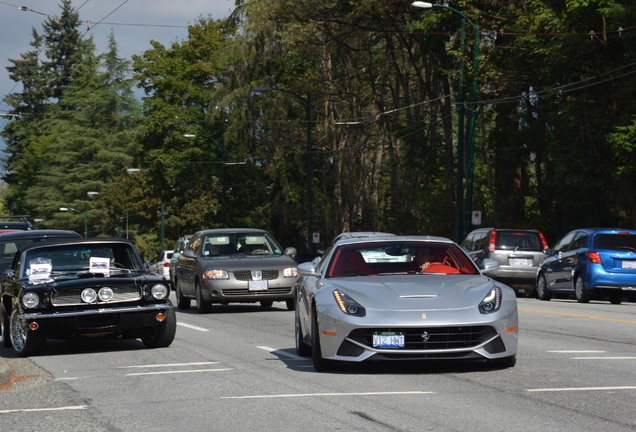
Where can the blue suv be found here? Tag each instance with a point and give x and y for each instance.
(590, 263)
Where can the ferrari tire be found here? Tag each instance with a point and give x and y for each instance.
(162, 335)
(320, 364)
(580, 292)
(183, 303)
(25, 341)
(302, 348)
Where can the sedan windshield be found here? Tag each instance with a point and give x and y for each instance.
(240, 243)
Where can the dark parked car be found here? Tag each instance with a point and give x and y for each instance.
(590, 263)
(83, 287)
(15, 223)
(12, 242)
(518, 252)
(234, 265)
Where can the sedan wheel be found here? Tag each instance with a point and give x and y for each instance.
(582, 294)
(542, 290)
(183, 303)
(25, 341)
(4, 328)
(267, 303)
(202, 305)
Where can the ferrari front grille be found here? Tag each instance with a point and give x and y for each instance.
(430, 338)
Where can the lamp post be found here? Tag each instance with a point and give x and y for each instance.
(459, 217)
(306, 102)
(84, 213)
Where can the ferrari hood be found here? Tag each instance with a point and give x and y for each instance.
(417, 292)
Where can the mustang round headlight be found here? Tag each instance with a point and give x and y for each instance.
(159, 291)
(106, 294)
(30, 300)
(89, 295)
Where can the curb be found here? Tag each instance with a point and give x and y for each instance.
(5, 372)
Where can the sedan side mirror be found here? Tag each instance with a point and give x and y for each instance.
(307, 268)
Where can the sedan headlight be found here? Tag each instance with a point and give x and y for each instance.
(30, 300)
(216, 274)
(290, 272)
(492, 302)
(348, 305)
(159, 291)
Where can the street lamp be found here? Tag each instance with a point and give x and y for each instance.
(459, 217)
(306, 102)
(84, 213)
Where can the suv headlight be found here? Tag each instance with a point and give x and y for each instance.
(492, 302)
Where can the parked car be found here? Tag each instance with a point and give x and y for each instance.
(178, 250)
(82, 287)
(161, 265)
(233, 265)
(590, 263)
(12, 242)
(352, 307)
(15, 222)
(518, 252)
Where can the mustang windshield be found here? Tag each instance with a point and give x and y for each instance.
(95, 258)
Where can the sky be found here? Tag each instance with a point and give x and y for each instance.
(134, 23)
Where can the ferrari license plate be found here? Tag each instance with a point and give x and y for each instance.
(257, 285)
(388, 340)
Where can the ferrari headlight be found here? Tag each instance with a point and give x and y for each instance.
(348, 305)
(30, 300)
(290, 272)
(492, 302)
(216, 274)
(159, 291)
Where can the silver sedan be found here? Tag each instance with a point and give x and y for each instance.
(402, 298)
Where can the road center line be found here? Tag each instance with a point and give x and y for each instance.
(177, 372)
(327, 394)
(582, 389)
(593, 317)
(193, 327)
(167, 365)
(77, 407)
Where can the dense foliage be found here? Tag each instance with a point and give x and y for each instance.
(221, 138)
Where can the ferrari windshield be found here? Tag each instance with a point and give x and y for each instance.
(398, 258)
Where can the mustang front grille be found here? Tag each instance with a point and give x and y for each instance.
(73, 297)
(431, 338)
(246, 275)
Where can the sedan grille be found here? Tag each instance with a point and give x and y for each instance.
(72, 297)
(246, 275)
(431, 338)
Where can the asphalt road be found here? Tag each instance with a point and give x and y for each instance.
(236, 370)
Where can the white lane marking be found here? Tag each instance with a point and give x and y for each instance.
(603, 358)
(168, 365)
(576, 352)
(78, 407)
(328, 394)
(283, 353)
(192, 327)
(582, 389)
(177, 372)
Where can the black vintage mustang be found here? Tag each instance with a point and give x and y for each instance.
(83, 287)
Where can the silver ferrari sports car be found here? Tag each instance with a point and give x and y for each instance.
(402, 298)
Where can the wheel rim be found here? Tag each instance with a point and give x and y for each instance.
(18, 332)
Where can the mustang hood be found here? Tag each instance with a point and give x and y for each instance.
(418, 292)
